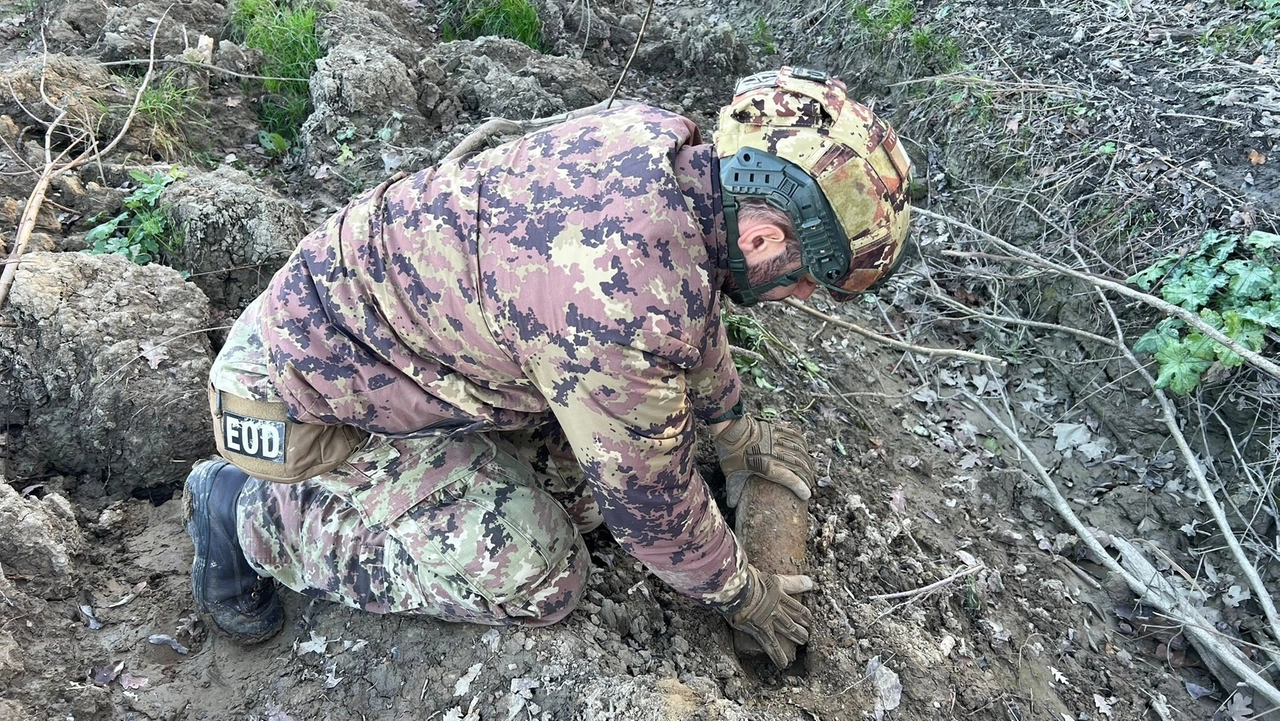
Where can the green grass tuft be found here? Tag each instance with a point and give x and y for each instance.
(882, 20)
(515, 19)
(167, 108)
(285, 32)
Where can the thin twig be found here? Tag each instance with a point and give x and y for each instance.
(744, 353)
(1183, 314)
(931, 587)
(635, 49)
(890, 341)
(205, 66)
(973, 312)
(1224, 121)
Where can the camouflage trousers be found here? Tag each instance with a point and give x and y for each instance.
(482, 528)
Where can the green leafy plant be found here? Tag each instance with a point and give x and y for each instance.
(762, 36)
(285, 32)
(1233, 283)
(143, 231)
(515, 19)
(746, 332)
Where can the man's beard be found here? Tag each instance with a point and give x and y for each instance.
(767, 271)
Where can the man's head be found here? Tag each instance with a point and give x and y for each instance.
(793, 147)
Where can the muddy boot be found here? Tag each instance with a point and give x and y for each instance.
(231, 595)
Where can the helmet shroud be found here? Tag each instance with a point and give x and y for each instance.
(795, 139)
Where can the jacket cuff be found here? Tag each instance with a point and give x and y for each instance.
(732, 414)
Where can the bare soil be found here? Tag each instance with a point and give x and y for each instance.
(915, 486)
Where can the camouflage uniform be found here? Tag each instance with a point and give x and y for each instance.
(530, 330)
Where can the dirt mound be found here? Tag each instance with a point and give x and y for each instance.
(236, 234)
(503, 78)
(46, 87)
(106, 364)
(38, 537)
(946, 587)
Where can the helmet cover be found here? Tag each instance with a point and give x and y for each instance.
(799, 119)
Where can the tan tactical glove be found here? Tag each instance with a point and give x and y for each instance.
(748, 446)
(769, 613)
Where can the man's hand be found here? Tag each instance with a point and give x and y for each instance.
(770, 613)
(748, 446)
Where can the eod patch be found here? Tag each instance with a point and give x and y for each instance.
(254, 437)
(261, 439)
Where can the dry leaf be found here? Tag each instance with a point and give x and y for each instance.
(898, 500)
(1196, 690)
(106, 674)
(86, 612)
(1238, 707)
(154, 354)
(1104, 704)
(318, 644)
(1236, 595)
(1256, 158)
(161, 639)
(234, 102)
(463, 686)
(887, 684)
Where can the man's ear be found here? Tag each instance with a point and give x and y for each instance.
(760, 240)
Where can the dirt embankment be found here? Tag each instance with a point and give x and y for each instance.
(947, 587)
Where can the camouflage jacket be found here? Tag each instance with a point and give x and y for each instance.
(573, 275)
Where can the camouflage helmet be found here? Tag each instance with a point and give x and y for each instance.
(794, 138)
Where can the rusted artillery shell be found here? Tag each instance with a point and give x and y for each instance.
(772, 525)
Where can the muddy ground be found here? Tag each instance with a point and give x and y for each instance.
(1118, 132)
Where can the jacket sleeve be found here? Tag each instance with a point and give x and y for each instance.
(628, 416)
(714, 386)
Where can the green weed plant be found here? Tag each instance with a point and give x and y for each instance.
(143, 231)
(285, 32)
(1233, 283)
(747, 332)
(514, 19)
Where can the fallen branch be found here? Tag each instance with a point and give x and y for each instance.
(1169, 418)
(890, 341)
(1191, 319)
(975, 313)
(53, 168)
(502, 126)
(1150, 587)
(931, 587)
